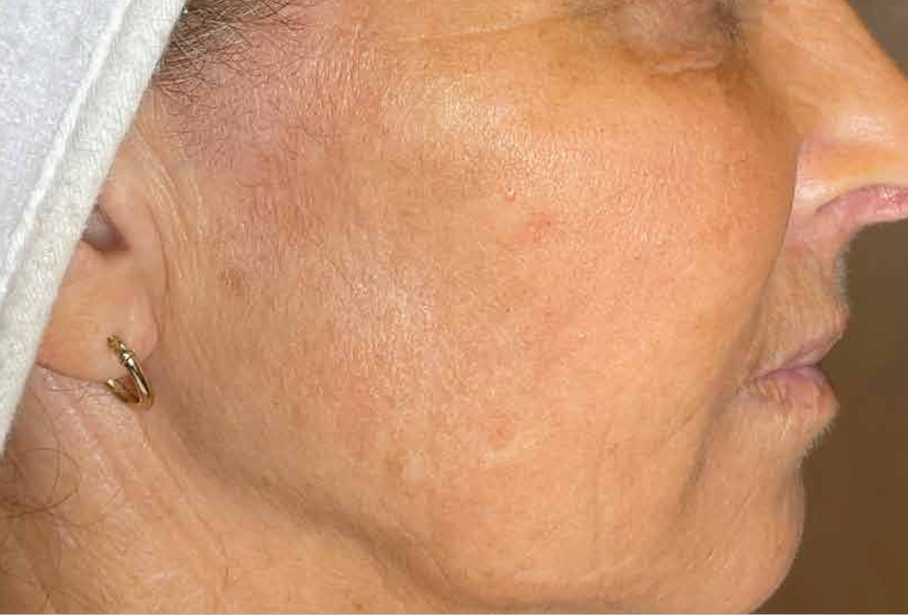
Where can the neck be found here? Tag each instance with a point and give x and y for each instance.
(109, 513)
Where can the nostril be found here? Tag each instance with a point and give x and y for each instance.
(893, 202)
(868, 206)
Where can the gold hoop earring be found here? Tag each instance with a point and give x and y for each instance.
(142, 398)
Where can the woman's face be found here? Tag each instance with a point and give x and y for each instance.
(488, 285)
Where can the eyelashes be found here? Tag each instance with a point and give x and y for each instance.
(728, 18)
(724, 15)
(672, 35)
(682, 20)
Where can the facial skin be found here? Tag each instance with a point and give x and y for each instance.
(461, 305)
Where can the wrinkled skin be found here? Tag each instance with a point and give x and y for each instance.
(461, 305)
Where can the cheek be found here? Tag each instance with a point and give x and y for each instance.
(525, 316)
(633, 241)
(590, 299)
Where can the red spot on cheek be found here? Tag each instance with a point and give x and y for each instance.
(539, 228)
(511, 196)
(535, 229)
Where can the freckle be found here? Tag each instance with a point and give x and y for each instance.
(395, 465)
(234, 282)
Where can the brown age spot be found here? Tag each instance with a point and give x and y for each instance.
(503, 431)
(395, 464)
(234, 282)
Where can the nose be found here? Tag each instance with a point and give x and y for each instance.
(849, 103)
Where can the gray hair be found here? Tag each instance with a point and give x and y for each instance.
(212, 32)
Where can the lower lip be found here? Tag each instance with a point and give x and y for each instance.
(798, 389)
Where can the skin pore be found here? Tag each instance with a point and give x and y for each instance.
(457, 306)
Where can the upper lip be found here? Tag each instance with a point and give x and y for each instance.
(813, 352)
(813, 349)
(839, 219)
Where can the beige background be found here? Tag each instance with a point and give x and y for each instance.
(855, 552)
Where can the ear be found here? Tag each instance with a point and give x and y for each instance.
(113, 281)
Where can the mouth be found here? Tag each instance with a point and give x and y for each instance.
(796, 383)
(810, 353)
(789, 381)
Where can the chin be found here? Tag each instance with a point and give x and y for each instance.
(765, 559)
(789, 544)
(739, 558)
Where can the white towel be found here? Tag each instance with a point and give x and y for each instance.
(72, 74)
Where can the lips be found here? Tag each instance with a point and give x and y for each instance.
(810, 353)
(791, 380)
(809, 319)
(797, 384)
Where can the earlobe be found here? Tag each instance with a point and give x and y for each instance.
(103, 294)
